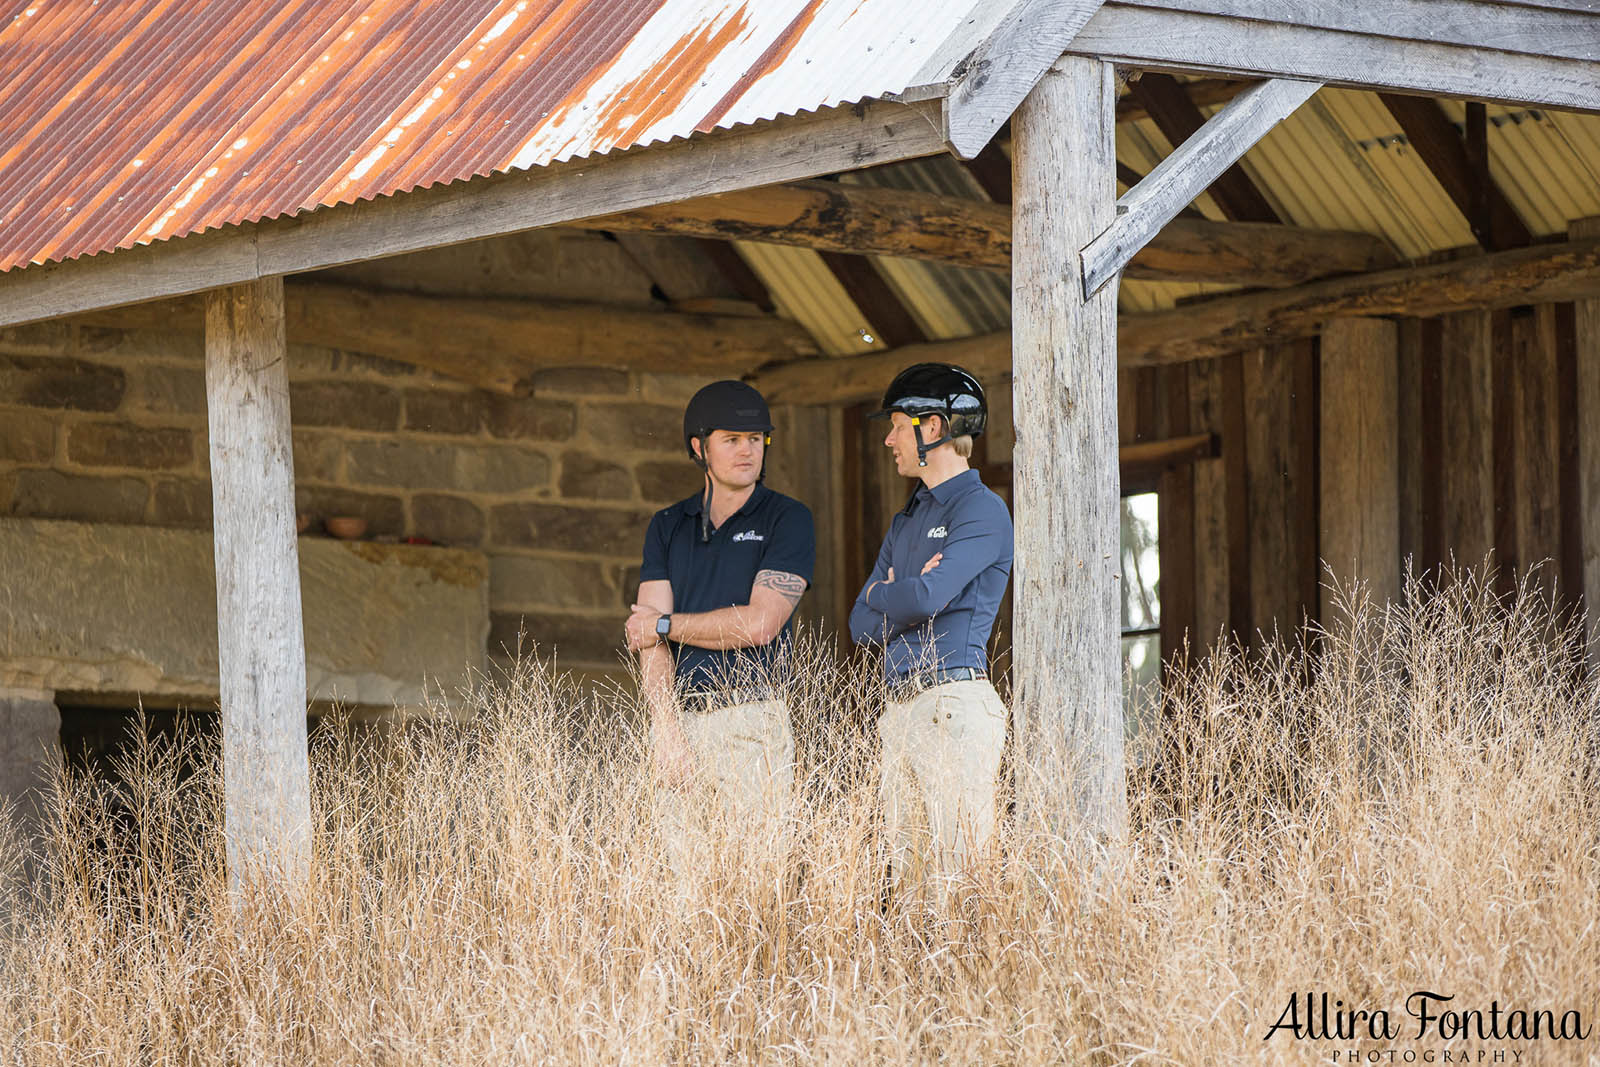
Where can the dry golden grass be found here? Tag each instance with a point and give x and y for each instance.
(1411, 807)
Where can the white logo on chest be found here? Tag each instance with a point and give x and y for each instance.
(748, 535)
(938, 531)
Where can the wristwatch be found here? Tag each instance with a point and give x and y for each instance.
(663, 626)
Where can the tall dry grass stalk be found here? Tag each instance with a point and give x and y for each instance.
(1410, 805)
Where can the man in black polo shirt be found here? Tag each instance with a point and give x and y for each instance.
(722, 573)
(930, 604)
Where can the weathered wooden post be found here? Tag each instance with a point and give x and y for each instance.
(1067, 664)
(261, 646)
(1360, 459)
(1587, 338)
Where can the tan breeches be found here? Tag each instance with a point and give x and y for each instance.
(743, 791)
(941, 768)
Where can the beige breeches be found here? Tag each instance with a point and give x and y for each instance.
(743, 791)
(941, 768)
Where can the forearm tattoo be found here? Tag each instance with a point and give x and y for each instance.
(789, 586)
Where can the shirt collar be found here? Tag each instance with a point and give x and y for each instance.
(946, 490)
(697, 503)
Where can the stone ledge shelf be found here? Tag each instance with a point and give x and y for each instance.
(109, 609)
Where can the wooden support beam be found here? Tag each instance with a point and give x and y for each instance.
(260, 643)
(1149, 206)
(1448, 159)
(862, 378)
(1540, 274)
(868, 220)
(888, 317)
(1360, 459)
(1178, 118)
(1066, 665)
(1006, 66)
(1586, 341)
(740, 274)
(498, 344)
(1265, 38)
(1215, 328)
(1201, 92)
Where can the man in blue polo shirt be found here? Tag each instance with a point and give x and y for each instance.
(722, 573)
(931, 603)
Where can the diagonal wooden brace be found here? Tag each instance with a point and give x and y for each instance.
(1143, 210)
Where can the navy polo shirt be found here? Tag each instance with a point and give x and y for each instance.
(943, 618)
(771, 532)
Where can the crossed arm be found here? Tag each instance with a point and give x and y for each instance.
(773, 596)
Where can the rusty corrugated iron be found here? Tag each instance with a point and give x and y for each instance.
(129, 121)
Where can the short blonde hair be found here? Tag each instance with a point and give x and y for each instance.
(962, 445)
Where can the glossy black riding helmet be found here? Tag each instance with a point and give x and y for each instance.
(725, 405)
(936, 389)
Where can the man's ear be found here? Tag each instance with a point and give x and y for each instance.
(694, 443)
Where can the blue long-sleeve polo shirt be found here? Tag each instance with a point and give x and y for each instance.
(943, 618)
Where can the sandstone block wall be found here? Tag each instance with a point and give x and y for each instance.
(103, 425)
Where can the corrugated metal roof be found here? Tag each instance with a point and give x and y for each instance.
(141, 120)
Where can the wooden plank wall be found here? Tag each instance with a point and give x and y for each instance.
(1488, 433)
(1489, 464)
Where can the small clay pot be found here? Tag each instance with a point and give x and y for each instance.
(346, 527)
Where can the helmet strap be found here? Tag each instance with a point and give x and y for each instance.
(922, 448)
(705, 499)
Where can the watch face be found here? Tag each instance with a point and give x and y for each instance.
(663, 624)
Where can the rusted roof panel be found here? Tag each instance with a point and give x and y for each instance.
(134, 121)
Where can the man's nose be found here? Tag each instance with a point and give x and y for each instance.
(889, 439)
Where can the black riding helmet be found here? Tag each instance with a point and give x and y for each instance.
(725, 405)
(937, 389)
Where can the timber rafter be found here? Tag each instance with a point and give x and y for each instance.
(497, 344)
(868, 220)
(1539, 274)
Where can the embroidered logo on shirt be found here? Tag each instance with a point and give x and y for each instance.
(938, 531)
(749, 535)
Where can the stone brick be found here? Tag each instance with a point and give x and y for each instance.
(666, 481)
(26, 437)
(582, 381)
(443, 411)
(592, 531)
(673, 389)
(37, 339)
(119, 444)
(532, 418)
(181, 502)
(446, 520)
(319, 361)
(501, 469)
(384, 514)
(318, 457)
(655, 427)
(354, 405)
(569, 639)
(170, 391)
(143, 344)
(402, 463)
(586, 477)
(46, 382)
(53, 495)
(526, 582)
